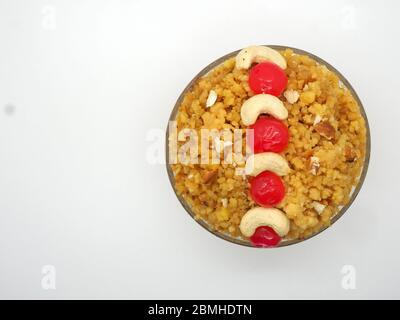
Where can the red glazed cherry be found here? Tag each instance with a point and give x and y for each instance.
(267, 77)
(265, 237)
(270, 134)
(267, 189)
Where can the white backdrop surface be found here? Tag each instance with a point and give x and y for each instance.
(81, 85)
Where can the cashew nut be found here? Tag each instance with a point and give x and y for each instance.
(259, 216)
(262, 103)
(271, 161)
(258, 54)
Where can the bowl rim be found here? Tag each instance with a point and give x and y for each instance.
(288, 242)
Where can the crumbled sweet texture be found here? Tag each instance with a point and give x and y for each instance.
(320, 96)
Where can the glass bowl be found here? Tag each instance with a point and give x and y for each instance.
(284, 242)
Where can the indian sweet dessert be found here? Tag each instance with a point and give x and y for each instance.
(303, 141)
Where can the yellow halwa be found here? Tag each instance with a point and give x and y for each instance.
(220, 197)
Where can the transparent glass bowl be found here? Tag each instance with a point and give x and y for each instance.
(284, 242)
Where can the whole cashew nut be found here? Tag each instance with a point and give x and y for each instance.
(271, 161)
(259, 216)
(262, 103)
(257, 54)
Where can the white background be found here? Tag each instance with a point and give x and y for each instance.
(81, 85)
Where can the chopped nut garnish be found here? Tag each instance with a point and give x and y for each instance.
(314, 165)
(291, 96)
(208, 176)
(350, 154)
(212, 98)
(325, 129)
(319, 207)
(224, 202)
(317, 119)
